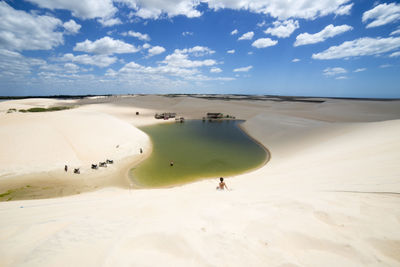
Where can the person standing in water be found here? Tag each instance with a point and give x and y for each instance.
(222, 184)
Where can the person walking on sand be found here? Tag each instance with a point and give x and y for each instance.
(222, 184)
(65, 168)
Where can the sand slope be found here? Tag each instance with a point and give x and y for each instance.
(328, 197)
(47, 141)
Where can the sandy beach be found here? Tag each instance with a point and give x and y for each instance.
(328, 196)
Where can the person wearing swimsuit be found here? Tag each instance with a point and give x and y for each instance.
(222, 184)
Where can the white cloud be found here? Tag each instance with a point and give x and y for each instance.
(150, 9)
(235, 31)
(71, 68)
(155, 50)
(159, 75)
(231, 51)
(215, 70)
(383, 66)
(283, 29)
(105, 45)
(14, 66)
(328, 32)
(197, 51)
(111, 73)
(305, 9)
(334, 71)
(382, 14)
(96, 60)
(146, 46)
(264, 42)
(261, 24)
(243, 69)
(111, 32)
(180, 58)
(179, 65)
(133, 67)
(360, 47)
(85, 9)
(72, 27)
(341, 78)
(104, 10)
(202, 78)
(395, 54)
(143, 78)
(23, 31)
(344, 10)
(140, 36)
(295, 60)
(247, 36)
(360, 69)
(108, 22)
(187, 33)
(395, 32)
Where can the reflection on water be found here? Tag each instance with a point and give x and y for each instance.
(197, 149)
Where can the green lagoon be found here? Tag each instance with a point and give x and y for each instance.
(198, 149)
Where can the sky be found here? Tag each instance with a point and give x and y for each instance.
(334, 48)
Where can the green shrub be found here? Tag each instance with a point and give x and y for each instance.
(37, 110)
(58, 108)
(6, 193)
(44, 109)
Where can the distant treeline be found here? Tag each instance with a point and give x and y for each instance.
(278, 98)
(52, 96)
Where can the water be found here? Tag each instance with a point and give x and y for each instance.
(199, 150)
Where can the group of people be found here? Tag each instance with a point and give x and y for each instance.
(76, 170)
(221, 185)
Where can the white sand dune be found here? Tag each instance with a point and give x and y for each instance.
(36, 142)
(329, 196)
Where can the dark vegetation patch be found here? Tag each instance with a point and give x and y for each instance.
(57, 108)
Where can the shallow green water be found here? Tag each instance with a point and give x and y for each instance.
(198, 149)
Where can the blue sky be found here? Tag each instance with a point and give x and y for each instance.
(338, 48)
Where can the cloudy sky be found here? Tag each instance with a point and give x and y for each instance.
(293, 47)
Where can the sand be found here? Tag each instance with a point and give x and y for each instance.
(329, 196)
